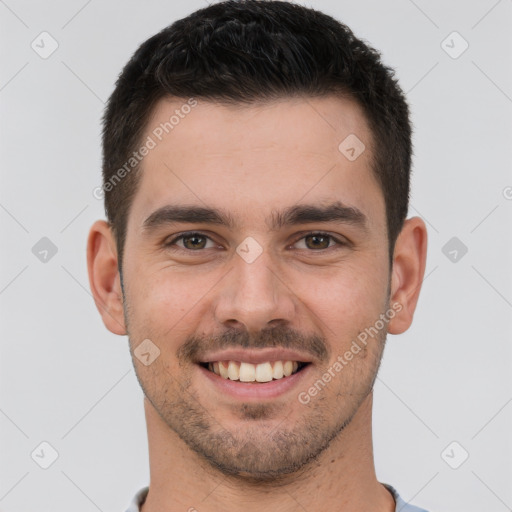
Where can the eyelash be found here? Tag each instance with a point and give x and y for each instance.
(189, 234)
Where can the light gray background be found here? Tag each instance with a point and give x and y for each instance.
(66, 380)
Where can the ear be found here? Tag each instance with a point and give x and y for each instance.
(104, 278)
(409, 260)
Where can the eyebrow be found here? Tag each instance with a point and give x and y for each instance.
(293, 215)
(173, 214)
(304, 214)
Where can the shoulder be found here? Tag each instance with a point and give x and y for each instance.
(401, 505)
(138, 500)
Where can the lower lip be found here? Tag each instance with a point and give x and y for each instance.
(256, 390)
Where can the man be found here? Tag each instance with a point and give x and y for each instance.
(257, 252)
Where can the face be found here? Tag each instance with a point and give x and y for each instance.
(256, 247)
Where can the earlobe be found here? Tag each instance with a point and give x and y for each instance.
(104, 277)
(409, 261)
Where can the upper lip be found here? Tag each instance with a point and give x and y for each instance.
(256, 356)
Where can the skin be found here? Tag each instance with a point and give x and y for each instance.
(209, 450)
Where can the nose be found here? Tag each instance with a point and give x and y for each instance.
(254, 296)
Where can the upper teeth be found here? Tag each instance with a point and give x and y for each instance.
(248, 372)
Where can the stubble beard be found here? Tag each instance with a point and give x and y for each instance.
(267, 449)
(263, 451)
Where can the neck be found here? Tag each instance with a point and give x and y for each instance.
(343, 478)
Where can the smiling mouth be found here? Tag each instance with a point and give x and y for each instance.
(248, 372)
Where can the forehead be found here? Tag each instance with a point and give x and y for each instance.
(251, 159)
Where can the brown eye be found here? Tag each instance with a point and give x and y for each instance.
(317, 241)
(194, 242)
(190, 241)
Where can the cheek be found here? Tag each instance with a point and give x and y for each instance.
(348, 297)
(162, 294)
(167, 304)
